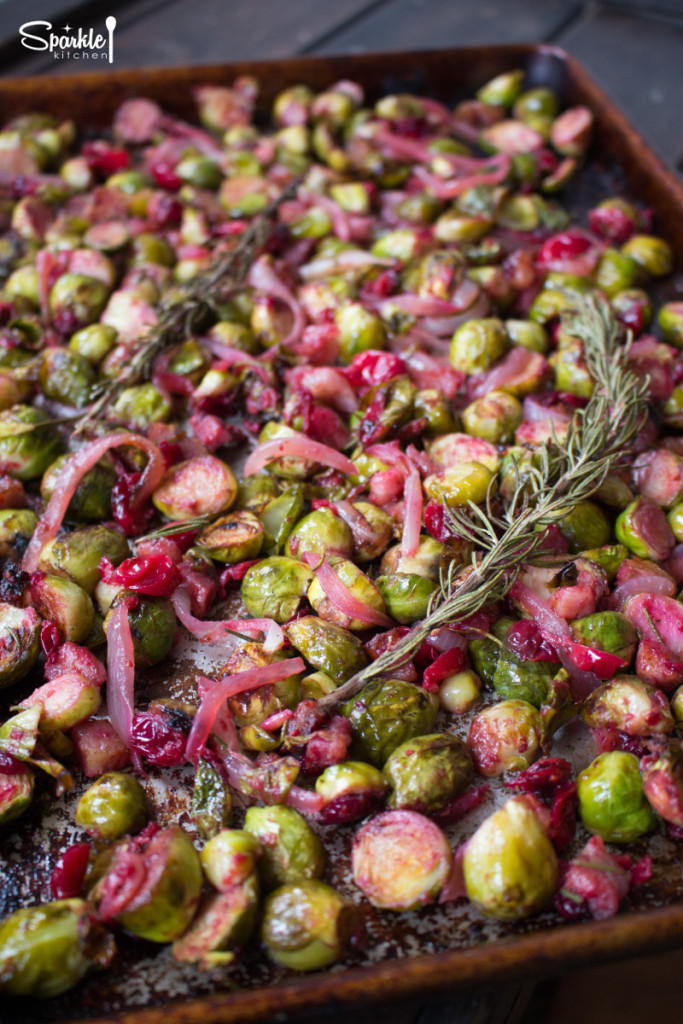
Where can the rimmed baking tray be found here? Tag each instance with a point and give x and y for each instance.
(411, 955)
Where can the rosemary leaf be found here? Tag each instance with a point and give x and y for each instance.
(600, 436)
(185, 316)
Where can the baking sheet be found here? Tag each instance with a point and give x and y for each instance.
(439, 947)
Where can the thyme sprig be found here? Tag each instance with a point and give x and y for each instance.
(564, 473)
(189, 313)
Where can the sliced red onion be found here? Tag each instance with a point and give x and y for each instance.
(347, 259)
(445, 639)
(276, 720)
(121, 677)
(360, 528)
(326, 384)
(297, 446)
(489, 171)
(646, 583)
(45, 260)
(539, 610)
(412, 518)
(341, 224)
(223, 728)
(417, 306)
(428, 371)
(518, 364)
(446, 325)
(340, 595)
(657, 618)
(402, 148)
(305, 801)
(230, 686)
(455, 887)
(70, 477)
(263, 277)
(535, 410)
(216, 631)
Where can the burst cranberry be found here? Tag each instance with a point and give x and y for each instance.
(50, 638)
(612, 223)
(165, 176)
(436, 522)
(105, 159)
(66, 880)
(172, 453)
(157, 740)
(10, 766)
(155, 575)
(234, 573)
(163, 210)
(565, 246)
(132, 519)
(526, 640)
(383, 285)
(543, 777)
(368, 369)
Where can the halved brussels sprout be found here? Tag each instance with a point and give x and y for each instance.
(351, 790)
(27, 443)
(64, 603)
(16, 792)
(46, 950)
(92, 499)
(203, 485)
(290, 851)
(76, 556)
(211, 800)
(505, 737)
(608, 631)
(230, 857)
(252, 707)
(233, 538)
(152, 624)
(320, 532)
(19, 642)
(275, 587)
(224, 921)
(360, 585)
(628, 705)
(400, 860)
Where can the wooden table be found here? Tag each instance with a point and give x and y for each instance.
(634, 50)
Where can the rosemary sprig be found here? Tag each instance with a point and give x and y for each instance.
(173, 529)
(188, 314)
(599, 436)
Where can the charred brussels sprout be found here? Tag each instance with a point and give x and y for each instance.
(16, 529)
(608, 631)
(46, 950)
(373, 541)
(275, 587)
(28, 444)
(164, 903)
(77, 555)
(291, 851)
(19, 642)
(233, 538)
(307, 926)
(229, 858)
(253, 706)
(611, 799)
(211, 800)
(386, 713)
(112, 806)
(224, 921)
(321, 532)
(427, 772)
(92, 500)
(400, 860)
(509, 865)
(152, 625)
(327, 647)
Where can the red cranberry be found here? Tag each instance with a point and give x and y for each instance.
(155, 739)
(105, 159)
(368, 369)
(66, 880)
(132, 519)
(50, 638)
(155, 575)
(526, 640)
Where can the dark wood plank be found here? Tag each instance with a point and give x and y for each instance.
(211, 31)
(429, 24)
(637, 61)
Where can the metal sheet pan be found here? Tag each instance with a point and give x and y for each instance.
(439, 949)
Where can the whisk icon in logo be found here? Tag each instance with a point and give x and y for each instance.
(70, 43)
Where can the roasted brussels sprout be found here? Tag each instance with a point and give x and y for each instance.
(320, 533)
(19, 642)
(327, 647)
(211, 800)
(628, 705)
(509, 865)
(112, 806)
(400, 860)
(505, 737)
(611, 799)
(204, 485)
(275, 587)
(307, 925)
(427, 772)
(229, 858)
(76, 556)
(92, 500)
(46, 950)
(290, 851)
(152, 625)
(27, 443)
(386, 713)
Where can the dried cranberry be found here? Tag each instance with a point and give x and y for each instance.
(527, 642)
(155, 575)
(436, 521)
(458, 808)
(563, 816)
(350, 807)
(368, 369)
(543, 777)
(172, 453)
(234, 573)
(66, 880)
(105, 159)
(608, 740)
(383, 285)
(571, 907)
(132, 519)
(50, 637)
(447, 662)
(157, 740)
